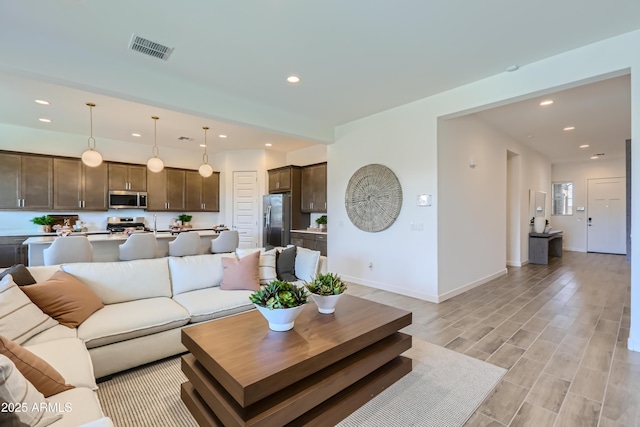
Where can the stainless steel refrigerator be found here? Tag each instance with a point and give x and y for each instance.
(277, 219)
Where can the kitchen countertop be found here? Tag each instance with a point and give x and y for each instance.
(50, 237)
(308, 232)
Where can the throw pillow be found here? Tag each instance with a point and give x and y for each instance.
(16, 390)
(267, 266)
(20, 319)
(241, 273)
(307, 262)
(43, 376)
(64, 298)
(286, 263)
(21, 276)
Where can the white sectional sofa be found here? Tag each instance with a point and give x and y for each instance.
(146, 305)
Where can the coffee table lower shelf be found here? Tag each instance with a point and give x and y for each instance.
(330, 412)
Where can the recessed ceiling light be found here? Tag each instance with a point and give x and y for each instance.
(546, 102)
(136, 135)
(222, 136)
(268, 144)
(584, 146)
(45, 120)
(293, 79)
(42, 102)
(594, 157)
(569, 128)
(512, 68)
(203, 145)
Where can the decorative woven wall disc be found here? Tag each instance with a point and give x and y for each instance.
(373, 198)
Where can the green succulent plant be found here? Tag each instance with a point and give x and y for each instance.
(43, 220)
(326, 284)
(279, 294)
(185, 218)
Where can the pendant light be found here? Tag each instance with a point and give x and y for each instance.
(205, 168)
(91, 157)
(154, 163)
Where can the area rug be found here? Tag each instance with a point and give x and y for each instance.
(444, 389)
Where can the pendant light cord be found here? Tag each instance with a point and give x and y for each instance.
(91, 141)
(155, 134)
(205, 156)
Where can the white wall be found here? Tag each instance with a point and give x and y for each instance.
(307, 156)
(514, 195)
(574, 227)
(405, 139)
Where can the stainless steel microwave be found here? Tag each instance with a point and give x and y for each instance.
(127, 199)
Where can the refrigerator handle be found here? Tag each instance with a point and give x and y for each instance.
(267, 218)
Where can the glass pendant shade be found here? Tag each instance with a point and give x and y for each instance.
(205, 170)
(91, 157)
(154, 164)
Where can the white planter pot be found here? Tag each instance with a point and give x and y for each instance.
(326, 303)
(280, 319)
(539, 224)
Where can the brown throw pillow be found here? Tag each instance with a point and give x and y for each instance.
(64, 298)
(241, 273)
(21, 276)
(43, 376)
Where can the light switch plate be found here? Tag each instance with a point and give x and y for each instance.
(424, 200)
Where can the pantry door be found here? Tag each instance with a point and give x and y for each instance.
(246, 209)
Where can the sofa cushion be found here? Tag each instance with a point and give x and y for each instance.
(70, 357)
(43, 272)
(267, 265)
(42, 375)
(15, 389)
(195, 272)
(21, 275)
(20, 319)
(80, 406)
(123, 281)
(213, 303)
(306, 265)
(131, 319)
(241, 273)
(64, 298)
(58, 332)
(286, 263)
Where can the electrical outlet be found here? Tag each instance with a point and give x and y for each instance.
(416, 226)
(370, 265)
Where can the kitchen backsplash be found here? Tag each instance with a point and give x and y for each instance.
(12, 222)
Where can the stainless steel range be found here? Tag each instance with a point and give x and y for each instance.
(117, 224)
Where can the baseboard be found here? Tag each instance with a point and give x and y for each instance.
(390, 288)
(465, 288)
(517, 263)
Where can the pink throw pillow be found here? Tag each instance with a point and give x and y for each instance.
(241, 273)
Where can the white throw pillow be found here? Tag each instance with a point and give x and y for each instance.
(267, 267)
(20, 319)
(306, 266)
(21, 398)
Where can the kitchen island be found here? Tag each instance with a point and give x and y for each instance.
(105, 246)
(314, 240)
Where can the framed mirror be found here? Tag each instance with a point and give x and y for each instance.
(537, 203)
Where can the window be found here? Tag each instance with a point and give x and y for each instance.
(562, 198)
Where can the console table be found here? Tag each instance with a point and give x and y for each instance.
(543, 245)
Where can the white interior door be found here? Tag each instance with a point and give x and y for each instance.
(246, 210)
(606, 216)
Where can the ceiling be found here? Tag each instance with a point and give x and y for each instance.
(230, 61)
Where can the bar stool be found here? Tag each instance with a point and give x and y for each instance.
(139, 246)
(187, 243)
(227, 241)
(68, 249)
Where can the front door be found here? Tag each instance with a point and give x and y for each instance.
(606, 216)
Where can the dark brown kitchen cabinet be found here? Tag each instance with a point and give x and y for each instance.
(25, 182)
(77, 186)
(283, 179)
(202, 194)
(313, 241)
(314, 188)
(166, 190)
(127, 177)
(12, 251)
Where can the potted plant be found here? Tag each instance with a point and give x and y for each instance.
(325, 291)
(280, 303)
(322, 222)
(45, 222)
(185, 220)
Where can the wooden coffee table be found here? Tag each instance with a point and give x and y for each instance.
(243, 374)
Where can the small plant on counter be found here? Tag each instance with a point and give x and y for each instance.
(43, 220)
(279, 294)
(326, 284)
(185, 218)
(321, 220)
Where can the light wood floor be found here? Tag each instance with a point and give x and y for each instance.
(561, 331)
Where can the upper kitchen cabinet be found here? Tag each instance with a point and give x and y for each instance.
(25, 182)
(283, 179)
(202, 194)
(77, 186)
(314, 188)
(166, 190)
(127, 177)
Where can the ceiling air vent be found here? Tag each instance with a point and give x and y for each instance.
(148, 47)
(184, 138)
